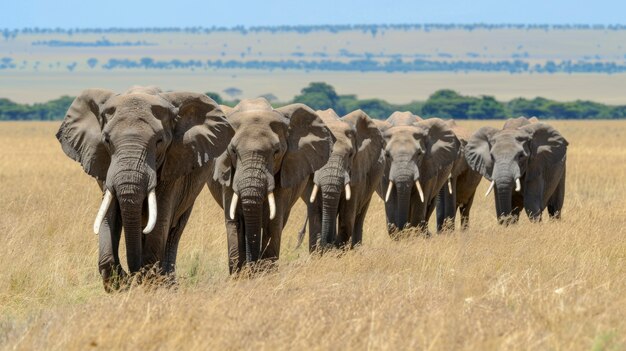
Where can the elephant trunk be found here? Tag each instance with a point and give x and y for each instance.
(330, 204)
(332, 179)
(133, 180)
(505, 177)
(403, 191)
(254, 183)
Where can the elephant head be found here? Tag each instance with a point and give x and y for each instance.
(271, 148)
(415, 152)
(358, 144)
(511, 157)
(131, 141)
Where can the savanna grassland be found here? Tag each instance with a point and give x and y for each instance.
(553, 285)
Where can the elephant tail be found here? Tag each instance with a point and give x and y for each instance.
(302, 232)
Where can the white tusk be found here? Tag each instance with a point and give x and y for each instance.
(518, 185)
(450, 185)
(419, 190)
(233, 205)
(104, 207)
(493, 183)
(152, 212)
(313, 193)
(348, 192)
(388, 191)
(270, 199)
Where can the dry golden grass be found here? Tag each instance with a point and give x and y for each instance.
(553, 285)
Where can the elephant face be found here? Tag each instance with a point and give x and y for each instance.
(131, 141)
(358, 144)
(415, 153)
(271, 147)
(511, 157)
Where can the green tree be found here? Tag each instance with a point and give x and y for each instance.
(215, 96)
(318, 96)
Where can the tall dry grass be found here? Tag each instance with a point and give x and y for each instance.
(553, 285)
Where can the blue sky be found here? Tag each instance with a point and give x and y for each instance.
(181, 13)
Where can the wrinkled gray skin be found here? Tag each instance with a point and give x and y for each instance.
(416, 150)
(533, 152)
(135, 142)
(463, 182)
(272, 151)
(357, 160)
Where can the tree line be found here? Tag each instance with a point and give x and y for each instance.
(357, 65)
(12, 33)
(443, 103)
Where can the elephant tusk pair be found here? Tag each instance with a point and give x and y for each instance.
(106, 203)
(417, 184)
(518, 186)
(316, 188)
(270, 200)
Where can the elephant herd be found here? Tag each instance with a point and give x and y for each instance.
(152, 152)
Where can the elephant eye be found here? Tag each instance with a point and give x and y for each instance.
(105, 139)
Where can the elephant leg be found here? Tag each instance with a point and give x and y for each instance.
(555, 204)
(357, 236)
(441, 208)
(430, 208)
(533, 195)
(271, 238)
(109, 242)
(314, 211)
(517, 201)
(346, 225)
(171, 245)
(464, 210)
(446, 208)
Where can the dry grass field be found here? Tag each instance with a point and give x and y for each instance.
(553, 285)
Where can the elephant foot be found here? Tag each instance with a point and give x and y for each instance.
(114, 278)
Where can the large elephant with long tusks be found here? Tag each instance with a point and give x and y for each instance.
(263, 172)
(339, 193)
(150, 152)
(419, 155)
(525, 162)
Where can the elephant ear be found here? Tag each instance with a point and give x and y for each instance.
(478, 151)
(369, 144)
(200, 134)
(223, 169)
(547, 146)
(442, 147)
(309, 144)
(80, 133)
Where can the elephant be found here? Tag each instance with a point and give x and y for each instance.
(262, 174)
(346, 182)
(419, 156)
(525, 163)
(150, 152)
(458, 194)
